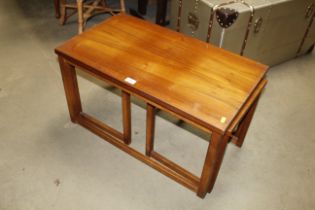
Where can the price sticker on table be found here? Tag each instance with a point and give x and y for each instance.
(130, 80)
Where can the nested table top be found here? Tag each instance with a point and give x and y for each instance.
(203, 83)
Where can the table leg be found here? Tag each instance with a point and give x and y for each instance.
(126, 109)
(244, 124)
(217, 166)
(212, 163)
(70, 83)
(150, 129)
(57, 8)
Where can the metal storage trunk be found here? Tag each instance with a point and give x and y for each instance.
(268, 31)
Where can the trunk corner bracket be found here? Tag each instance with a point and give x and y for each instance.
(250, 20)
(226, 16)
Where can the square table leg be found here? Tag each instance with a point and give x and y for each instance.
(150, 129)
(126, 109)
(211, 167)
(70, 84)
(244, 124)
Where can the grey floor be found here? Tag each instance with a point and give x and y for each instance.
(46, 162)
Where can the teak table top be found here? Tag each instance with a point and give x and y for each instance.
(184, 75)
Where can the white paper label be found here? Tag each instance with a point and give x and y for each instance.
(130, 80)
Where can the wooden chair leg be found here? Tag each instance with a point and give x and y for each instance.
(150, 129)
(63, 12)
(70, 83)
(126, 117)
(83, 15)
(80, 16)
(244, 125)
(103, 3)
(212, 163)
(122, 6)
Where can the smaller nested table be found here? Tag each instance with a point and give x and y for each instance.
(213, 89)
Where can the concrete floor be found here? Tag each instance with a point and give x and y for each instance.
(46, 162)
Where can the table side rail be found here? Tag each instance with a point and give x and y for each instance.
(183, 180)
(142, 95)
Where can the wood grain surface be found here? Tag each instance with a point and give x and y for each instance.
(203, 83)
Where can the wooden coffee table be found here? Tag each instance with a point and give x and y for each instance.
(214, 90)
